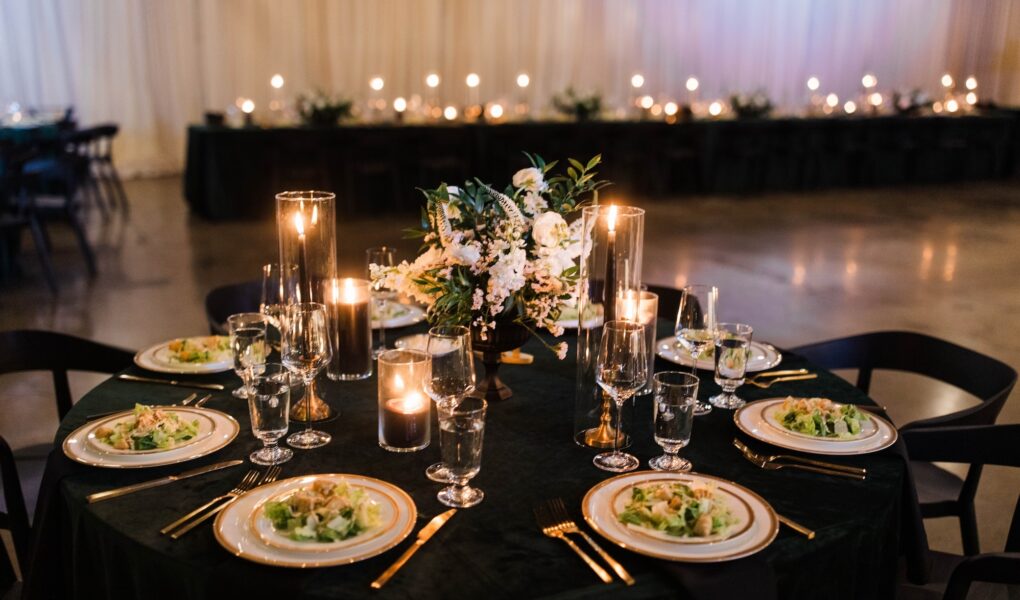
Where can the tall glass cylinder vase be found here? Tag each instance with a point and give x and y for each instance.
(612, 240)
(306, 227)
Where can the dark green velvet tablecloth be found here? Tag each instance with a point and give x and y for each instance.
(113, 549)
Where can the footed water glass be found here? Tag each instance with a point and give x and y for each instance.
(673, 417)
(461, 431)
(452, 376)
(732, 349)
(248, 345)
(269, 407)
(380, 257)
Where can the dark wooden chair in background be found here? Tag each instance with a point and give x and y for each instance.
(953, 576)
(17, 211)
(941, 493)
(226, 300)
(29, 350)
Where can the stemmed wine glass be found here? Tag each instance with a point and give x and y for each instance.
(622, 370)
(452, 377)
(695, 327)
(279, 288)
(248, 345)
(306, 351)
(382, 256)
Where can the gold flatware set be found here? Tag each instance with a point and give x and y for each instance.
(776, 462)
(767, 379)
(555, 522)
(190, 384)
(423, 536)
(251, 480)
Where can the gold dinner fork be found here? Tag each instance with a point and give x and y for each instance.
(763, 462)
(251, 480)
(766, 384)
(817, 463)
(547, 523)
(558, 511)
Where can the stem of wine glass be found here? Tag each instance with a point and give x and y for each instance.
(619, 425)
(309, 394)
(694, 367)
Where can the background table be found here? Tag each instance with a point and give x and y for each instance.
(113, 549)
(235, 173)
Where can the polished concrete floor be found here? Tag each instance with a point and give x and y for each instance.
(940, 260)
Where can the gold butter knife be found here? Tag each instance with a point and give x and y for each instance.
(191, 384)
(423, 536)
(809, 534)
(128, 489)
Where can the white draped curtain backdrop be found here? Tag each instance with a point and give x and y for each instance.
(154, 66)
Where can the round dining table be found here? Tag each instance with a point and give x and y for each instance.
(113, 548)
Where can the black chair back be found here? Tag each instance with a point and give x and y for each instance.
(987, 378)
(669, 301)
(230, 299)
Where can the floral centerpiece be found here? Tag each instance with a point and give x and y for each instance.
(579, 106)
(500, 261)
(754, 106)
(321, 109)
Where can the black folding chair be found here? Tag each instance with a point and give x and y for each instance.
(941, 493)
(29, 350)
(953, 576)
(17, 212)
(669, 301)
(227, 300)
(100, 153)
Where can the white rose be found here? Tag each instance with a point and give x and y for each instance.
(534, 203)
(529, 179)
(464, 254)
(550, 229)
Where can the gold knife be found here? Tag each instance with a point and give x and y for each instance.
(191, 384)
(128, 489)
(423, 536)
(809, 534)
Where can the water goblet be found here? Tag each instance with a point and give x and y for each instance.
(673, 417)
(451, 378)
(269, 407)
(306, 350)
(621, 371)
(461, 430)
(732, 349)
(248, 345)
(695, 327)
(382, 257)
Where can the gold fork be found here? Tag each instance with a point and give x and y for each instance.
(817, 463)
(783, 373)
(766, 384)
(763, 463)
(251, 480)
(548, 526)
(246, 484)
(558, 511)
(270, 476)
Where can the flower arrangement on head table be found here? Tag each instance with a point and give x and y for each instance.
(491, 256)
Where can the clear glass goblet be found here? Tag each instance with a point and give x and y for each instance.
(269, 407)
(673, 401)
(695, 327)
(461, 432)
(621, 371)
(732, 349)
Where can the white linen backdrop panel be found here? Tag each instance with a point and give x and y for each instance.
(154, 66)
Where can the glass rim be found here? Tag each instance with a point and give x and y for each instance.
(624, 325)
(621, 210)
(416, 356)
(306, 195)
(690, 379)
(458, 411)
(699, 286)
(461, 331)
(738, 328)
(306, 306)
(247, 315)
(380, 249)
(278, 266)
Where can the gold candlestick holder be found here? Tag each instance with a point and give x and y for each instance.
(319, 410)
(605, 436)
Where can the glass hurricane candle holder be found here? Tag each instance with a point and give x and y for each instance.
(405, 411)
(350, 317)
(612, 238)
(642, 307)
(306, 228)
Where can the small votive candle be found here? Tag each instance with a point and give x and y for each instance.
(641, 307)
(351, 329)
(405, 412)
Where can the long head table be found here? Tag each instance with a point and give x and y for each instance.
(235, 173)
(113, 549)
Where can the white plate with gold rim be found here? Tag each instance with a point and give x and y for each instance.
(206, 426)
(756, 420)
(79, 448)
(244, 531)
(161, 359)
(398, 314)
(755, 529)
(763, 356)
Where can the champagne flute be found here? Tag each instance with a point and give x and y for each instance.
(695, 327)
(269, 407)
(279, 288)
(452, 377)
(306, 351)
(673, 417)
(383, 257)
(248, 345)
(621, 371)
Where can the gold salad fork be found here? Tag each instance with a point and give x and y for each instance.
(770, 463)
(548, 524)
(181, 526)
(558, 511)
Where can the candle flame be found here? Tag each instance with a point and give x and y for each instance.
(611, 217)
(299, 223)
(413, 402)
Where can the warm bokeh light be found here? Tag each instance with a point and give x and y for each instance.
(947, 80)
(523, 80)
(472, 80)
(971, 83)
(971, 98)
(952, 105)
(400, 105)
(248, 106)
(869, 81)
(450, 112)
(850, 107)
(671, 108)
(936, 107)
(377, 83)
(715, 109)
(656, 109)
(276, 81)
(637, 80)
(832, 100)
(647, 102)
(813, 83)
(875, 99)
(496, 111)
(432, 80)
(692, 84)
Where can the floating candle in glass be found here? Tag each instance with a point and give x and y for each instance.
(351, 334)
(404, 409)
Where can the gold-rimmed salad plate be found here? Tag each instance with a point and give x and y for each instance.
(757, 420)
(204, 427)
(197, 355)
(763, 356)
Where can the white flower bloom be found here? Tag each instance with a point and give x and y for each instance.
(530, 179)
(550, 229)
(464, 254)
(561, 350)
(534, 203)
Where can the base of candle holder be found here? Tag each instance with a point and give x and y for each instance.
(605, 435)
(389, 448)
(320, 411)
